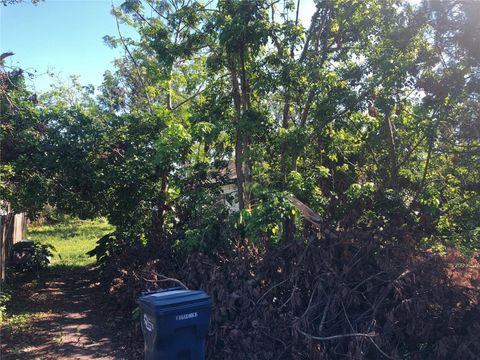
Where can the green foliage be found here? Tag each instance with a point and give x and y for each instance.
(50, 215)
(360, 193)
(104, 249)
(205, 224)
(31, 256)
(369, 114)
(172, 145)
(42, 254)
(357, 197)
(265, 220)
(5, 297)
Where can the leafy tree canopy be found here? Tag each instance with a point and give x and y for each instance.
(368, 115)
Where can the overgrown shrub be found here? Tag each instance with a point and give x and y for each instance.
(50, 215)
(265, 220)
(111, 245)
(30, 256)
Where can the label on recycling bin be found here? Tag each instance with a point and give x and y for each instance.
(186, 316)
(148, 323)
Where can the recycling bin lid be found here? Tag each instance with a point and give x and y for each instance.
(167, 298)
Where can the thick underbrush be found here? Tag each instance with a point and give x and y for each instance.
(359, 294)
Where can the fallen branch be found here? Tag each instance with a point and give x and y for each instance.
(166, 278)
(334, 337)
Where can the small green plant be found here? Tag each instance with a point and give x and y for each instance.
(104, 249)
(20, 322)
(5, 297)
(29, 255)
(112, 244)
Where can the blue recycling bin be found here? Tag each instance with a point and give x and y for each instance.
(175, 323)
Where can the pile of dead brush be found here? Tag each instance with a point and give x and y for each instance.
(358, 294)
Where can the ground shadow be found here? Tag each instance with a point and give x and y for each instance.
(65, 317)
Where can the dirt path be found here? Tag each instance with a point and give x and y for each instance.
(58, 316)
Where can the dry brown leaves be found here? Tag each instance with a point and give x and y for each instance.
(358, 294)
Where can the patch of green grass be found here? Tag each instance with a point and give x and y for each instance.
(72, 239)
(5, 297)
(20, 322)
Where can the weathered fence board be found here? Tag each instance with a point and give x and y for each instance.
(13, 228)
(19, 227)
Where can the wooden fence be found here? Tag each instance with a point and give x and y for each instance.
(13, 228)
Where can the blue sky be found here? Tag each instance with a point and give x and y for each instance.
(65, 37)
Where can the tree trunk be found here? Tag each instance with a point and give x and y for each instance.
(390, 131)
(158, 219)
(169, 91)
(239, 146)
(283, 151)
